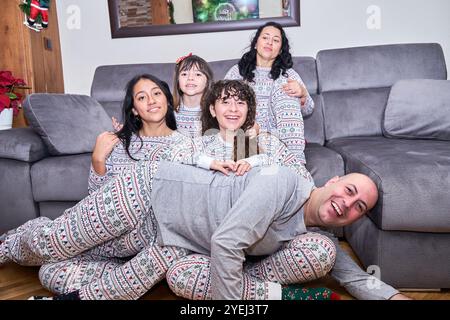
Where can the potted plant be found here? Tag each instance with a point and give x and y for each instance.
(9, 99)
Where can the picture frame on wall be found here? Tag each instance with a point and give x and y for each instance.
(224, 10)
(130, 18)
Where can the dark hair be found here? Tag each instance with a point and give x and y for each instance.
(185, 65)
(229, 88)
(132, 123)
(241, 90)
(283, 61)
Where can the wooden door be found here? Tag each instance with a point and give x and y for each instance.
(32, 56)
(160, 12)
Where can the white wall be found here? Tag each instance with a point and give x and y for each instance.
(86, 42)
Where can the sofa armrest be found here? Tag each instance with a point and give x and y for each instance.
(22, 144)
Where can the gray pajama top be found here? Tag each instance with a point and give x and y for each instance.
(228, 218)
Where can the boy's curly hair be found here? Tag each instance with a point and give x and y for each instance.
(229, 88)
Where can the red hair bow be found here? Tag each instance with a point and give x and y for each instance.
(182, 58)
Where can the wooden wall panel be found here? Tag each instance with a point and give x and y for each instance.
(24, 52)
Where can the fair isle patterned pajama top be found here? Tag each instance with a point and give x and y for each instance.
(118, 161)
(189, 121)
(277, 112)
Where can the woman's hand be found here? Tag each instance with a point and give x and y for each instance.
(223, 166)
(103, 146)
(293, 88)
(242, 167)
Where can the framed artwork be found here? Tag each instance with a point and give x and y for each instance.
(228, 10)
(142, 18)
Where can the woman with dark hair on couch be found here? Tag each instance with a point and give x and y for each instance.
(149, 122)
(267, 68)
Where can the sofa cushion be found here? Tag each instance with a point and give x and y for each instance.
(323, 163)
(413, 178)
(307, 69)
(16, 197)
(61, 178)
(412, 114)
(379, 66)
(113, 109)
(68, 124)
(354, 112)
(22, 144)
(109, 81)
(405, 259)
(221, 67)
(314, 132)
(355, 83)
(54, 209)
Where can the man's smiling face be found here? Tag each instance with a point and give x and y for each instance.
(346, 199)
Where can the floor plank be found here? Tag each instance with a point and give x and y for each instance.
(19, 283)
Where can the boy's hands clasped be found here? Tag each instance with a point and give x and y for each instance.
(239, 167)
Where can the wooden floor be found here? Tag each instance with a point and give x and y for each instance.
(19, 283)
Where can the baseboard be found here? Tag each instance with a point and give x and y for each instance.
(418, 290)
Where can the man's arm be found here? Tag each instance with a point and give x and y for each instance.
(358, 283)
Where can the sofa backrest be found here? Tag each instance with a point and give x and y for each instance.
(355, 83)
(108, 86)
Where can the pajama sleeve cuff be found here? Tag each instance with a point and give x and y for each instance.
(204, 161)
(254, 161)
(273, 291)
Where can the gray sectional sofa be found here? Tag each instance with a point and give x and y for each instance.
(380, 110)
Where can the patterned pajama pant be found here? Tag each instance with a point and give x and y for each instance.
(79, 250)
(100, 274)
(307, 257)
(100, 278)
(112, 211)
(62, 245)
